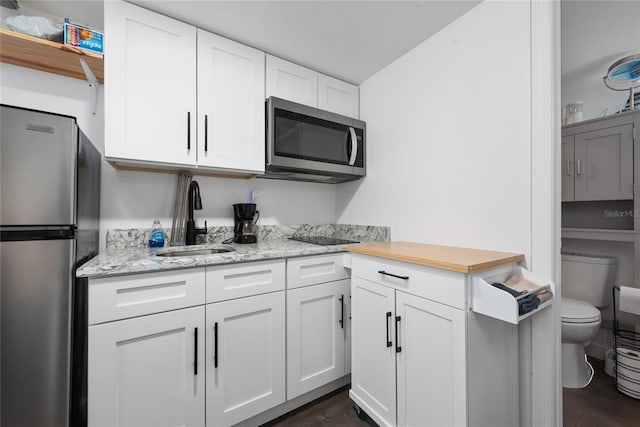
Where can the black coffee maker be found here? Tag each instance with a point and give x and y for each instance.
(244, 229)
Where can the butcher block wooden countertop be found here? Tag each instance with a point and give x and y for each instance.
(464, 260)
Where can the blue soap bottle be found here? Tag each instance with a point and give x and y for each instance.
(156, 238)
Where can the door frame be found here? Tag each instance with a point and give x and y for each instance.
(544, 393)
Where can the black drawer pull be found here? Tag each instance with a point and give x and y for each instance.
(389, 343)
(206, 133)
(215, 345)
(398, 348)
(195, 352)
(341, 311)
(188, 130)
(393, 275)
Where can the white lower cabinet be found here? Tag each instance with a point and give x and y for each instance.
(213, 345)
(245, 357)
(373, 370)
(430, 362)
(148, 370)
(316, 336)
(419, 357)
(408, 358)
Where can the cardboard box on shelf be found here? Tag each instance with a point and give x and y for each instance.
(83, 38)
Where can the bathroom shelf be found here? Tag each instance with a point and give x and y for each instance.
(498, 304)
(600, 234)
(44, 55)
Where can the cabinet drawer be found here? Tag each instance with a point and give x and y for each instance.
(242, 280)
(315, 269)
(443, 286)
(114, 298)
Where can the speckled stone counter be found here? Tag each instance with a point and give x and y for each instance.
(275, 244)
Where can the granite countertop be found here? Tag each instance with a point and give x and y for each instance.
(143, 260)
(464, 260)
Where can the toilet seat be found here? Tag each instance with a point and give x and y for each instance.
(575, 311)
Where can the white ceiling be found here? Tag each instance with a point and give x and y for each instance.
(350, 40)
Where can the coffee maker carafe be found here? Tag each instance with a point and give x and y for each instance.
(245, 217)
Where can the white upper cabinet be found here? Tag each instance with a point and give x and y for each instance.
(290, 81)
(230, 104)
(181, 96)
(295, 83)
(337, 96)
(150, 94)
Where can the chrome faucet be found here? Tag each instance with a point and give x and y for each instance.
(195, 202)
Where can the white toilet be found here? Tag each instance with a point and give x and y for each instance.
(586, 284)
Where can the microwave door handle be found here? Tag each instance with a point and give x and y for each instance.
(354, 146)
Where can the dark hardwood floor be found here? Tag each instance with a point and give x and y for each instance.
(335, 409)
(598, 405)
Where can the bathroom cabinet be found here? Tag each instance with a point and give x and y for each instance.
(602, 204)
(598, 164)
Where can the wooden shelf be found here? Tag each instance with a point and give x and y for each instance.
(44, 55)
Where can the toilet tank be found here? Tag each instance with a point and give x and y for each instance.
(588, 278)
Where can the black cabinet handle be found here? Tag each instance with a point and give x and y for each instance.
(188, 130)
(215, 345)
(389, 343)
(206, 133)
(195, 352)
(398, 348)
(393, 275)
(342, 311)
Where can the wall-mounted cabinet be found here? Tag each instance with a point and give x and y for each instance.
(155, 113)
(598, 165)
(295, 83)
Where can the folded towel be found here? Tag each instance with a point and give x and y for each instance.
(526, 304)
(519, 283)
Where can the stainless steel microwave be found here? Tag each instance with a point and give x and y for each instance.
(308, 144)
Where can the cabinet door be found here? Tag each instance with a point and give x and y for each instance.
(568, 168)
(230, 105)
(431, 365)
(315, 336)
(337, 96)
(604, 164)
(292, 82)
(150, 98)
(373, 376)
(245, 357)
(148, 370)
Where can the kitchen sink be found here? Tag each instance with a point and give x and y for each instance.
(192, 252)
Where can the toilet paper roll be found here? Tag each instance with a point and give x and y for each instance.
(630, 300)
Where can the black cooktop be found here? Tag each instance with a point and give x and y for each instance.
(323, 240)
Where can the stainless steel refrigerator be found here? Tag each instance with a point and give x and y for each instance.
(49, 213)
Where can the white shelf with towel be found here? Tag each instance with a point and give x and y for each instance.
(498, 304)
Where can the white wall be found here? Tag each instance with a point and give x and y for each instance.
(449, 137)
(134, 199)
(594, 35)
